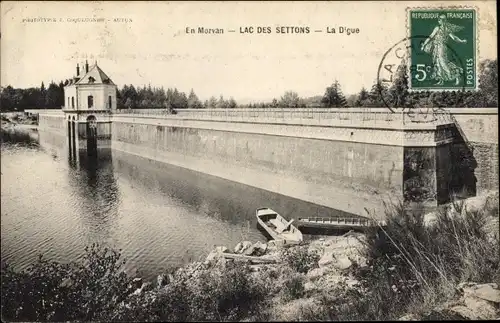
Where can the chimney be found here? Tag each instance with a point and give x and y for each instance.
(77, 69)
(86, 66)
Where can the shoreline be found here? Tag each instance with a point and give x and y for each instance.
(7, 123)
(316, 280)
(19, 126)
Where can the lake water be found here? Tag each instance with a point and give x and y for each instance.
(161, 216)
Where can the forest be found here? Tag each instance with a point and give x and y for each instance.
(379, 95)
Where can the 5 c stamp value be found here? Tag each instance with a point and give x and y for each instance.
(443, 49)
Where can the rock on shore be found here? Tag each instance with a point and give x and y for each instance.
(336, 255)
(475, 302)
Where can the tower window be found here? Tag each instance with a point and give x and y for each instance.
(110, 102)
(90, 101)
(73, 102)
(91, 80)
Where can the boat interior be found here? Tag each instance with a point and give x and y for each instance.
(279, 224)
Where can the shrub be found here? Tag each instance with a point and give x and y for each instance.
(293, 287)
(299, 310)
(173, 304)
(300, 259)
(170, 304)
(17, 137)
(309, 311)
(228, 294)
(36, 293)
(347, 304)
(415, 267)
(49, 290)
(95, 289)
(139, 308)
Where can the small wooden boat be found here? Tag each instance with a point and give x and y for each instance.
(277, 227)
(341, 223)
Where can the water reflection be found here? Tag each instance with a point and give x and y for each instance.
(99, 198)
(218, 198)
(55, 203)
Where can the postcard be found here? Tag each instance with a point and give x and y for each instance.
(249, 160)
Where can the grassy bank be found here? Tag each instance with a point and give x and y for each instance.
(18, 118)
(16, 136)
(406, 268)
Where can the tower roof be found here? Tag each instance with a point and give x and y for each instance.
(95, 76)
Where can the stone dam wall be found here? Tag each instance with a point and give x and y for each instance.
(347, 162)
(480, 127)
(347, 176)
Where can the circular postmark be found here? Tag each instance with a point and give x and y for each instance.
(396, 73)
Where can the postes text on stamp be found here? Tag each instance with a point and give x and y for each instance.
(443, 52)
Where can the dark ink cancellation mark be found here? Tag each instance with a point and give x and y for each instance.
(399, 56)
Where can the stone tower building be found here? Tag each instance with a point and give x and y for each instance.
(90, 98)
(90, 89)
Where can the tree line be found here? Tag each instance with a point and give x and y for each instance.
(12, 99)
(396, 95)
(130, 97)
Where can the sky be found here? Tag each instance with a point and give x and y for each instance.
(148, 44)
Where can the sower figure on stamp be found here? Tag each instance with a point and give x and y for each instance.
(435, 44)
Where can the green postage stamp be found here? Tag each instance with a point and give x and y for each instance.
(443, 49)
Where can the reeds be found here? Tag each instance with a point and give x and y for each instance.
(432, 260)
